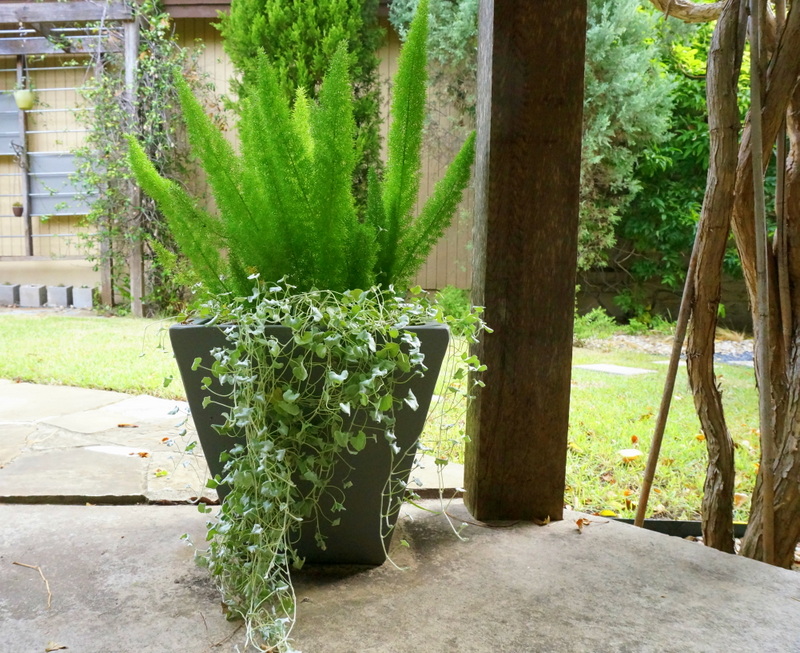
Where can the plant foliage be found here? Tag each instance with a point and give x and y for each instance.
(285, 204)
(657, 230)
(299, 39)
(626, 107)
(304, 406)
(103, 172)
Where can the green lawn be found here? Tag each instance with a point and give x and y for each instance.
(109, 353)
(608, 413)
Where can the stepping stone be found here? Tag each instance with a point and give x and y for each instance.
(615, 369)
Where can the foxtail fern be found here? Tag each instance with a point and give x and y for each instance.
(285, 205)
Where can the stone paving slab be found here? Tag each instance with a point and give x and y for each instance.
(13, 438)
(122, 581)
(521, 588)
(26, 402)
(93, 446)
(67, 476)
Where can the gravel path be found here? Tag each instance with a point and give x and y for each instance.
(726, 351)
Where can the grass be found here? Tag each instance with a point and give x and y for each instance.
(608, 413)
(107, 353)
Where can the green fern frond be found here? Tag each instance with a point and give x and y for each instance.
(286, 205)
(404, 143)
(436, 215)
(198, 235)
(215, 153)
(333, 130)
(301, 120)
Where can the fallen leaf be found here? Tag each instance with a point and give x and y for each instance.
(127, 426)
(54, 647)
(542, 522)
(607, 513)
(629, 455)
(141, 454)
(580, 523)
(739, 498)
(160, 472)
(700, 437)
(634, 439)
(627, 492)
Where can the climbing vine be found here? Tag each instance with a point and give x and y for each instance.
(103, 174)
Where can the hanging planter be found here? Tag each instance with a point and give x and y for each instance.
(25, 99)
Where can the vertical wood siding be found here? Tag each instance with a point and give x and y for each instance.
(450, 261)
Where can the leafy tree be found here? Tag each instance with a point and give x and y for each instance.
(626, 108)
(627, 104)
(299, 38)
(656, 230)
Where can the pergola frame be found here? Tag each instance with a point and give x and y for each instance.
(46, 18)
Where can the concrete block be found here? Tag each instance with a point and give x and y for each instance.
(9, 294)
(32, 295)
(59, 296)
(83, 297)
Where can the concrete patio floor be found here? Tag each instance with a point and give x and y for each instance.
(122, 580)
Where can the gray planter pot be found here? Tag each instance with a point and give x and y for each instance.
(32, 295)
(83, 297)
(358, 538)
(9, 294)
(59, 296)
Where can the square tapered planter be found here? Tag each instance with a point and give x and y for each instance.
(32, 295)
(9, 294)
(59, 296)
(83, 297)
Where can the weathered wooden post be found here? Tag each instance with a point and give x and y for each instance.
(530, 107)
(135, 257)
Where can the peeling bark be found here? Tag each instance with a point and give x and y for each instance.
(786, 396)
(690, 12)
(712, 237)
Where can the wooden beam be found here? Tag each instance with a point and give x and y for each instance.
(62, 12)
(41, 45)
(22, 122)
(48, 31)
(529, 114)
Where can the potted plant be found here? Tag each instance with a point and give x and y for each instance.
(16, 208)
(24, 97)
(310, 361)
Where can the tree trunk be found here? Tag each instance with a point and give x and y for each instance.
(712, 237)
(786, 401)
(781, 86)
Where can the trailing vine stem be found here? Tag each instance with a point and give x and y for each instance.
(304, 404)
